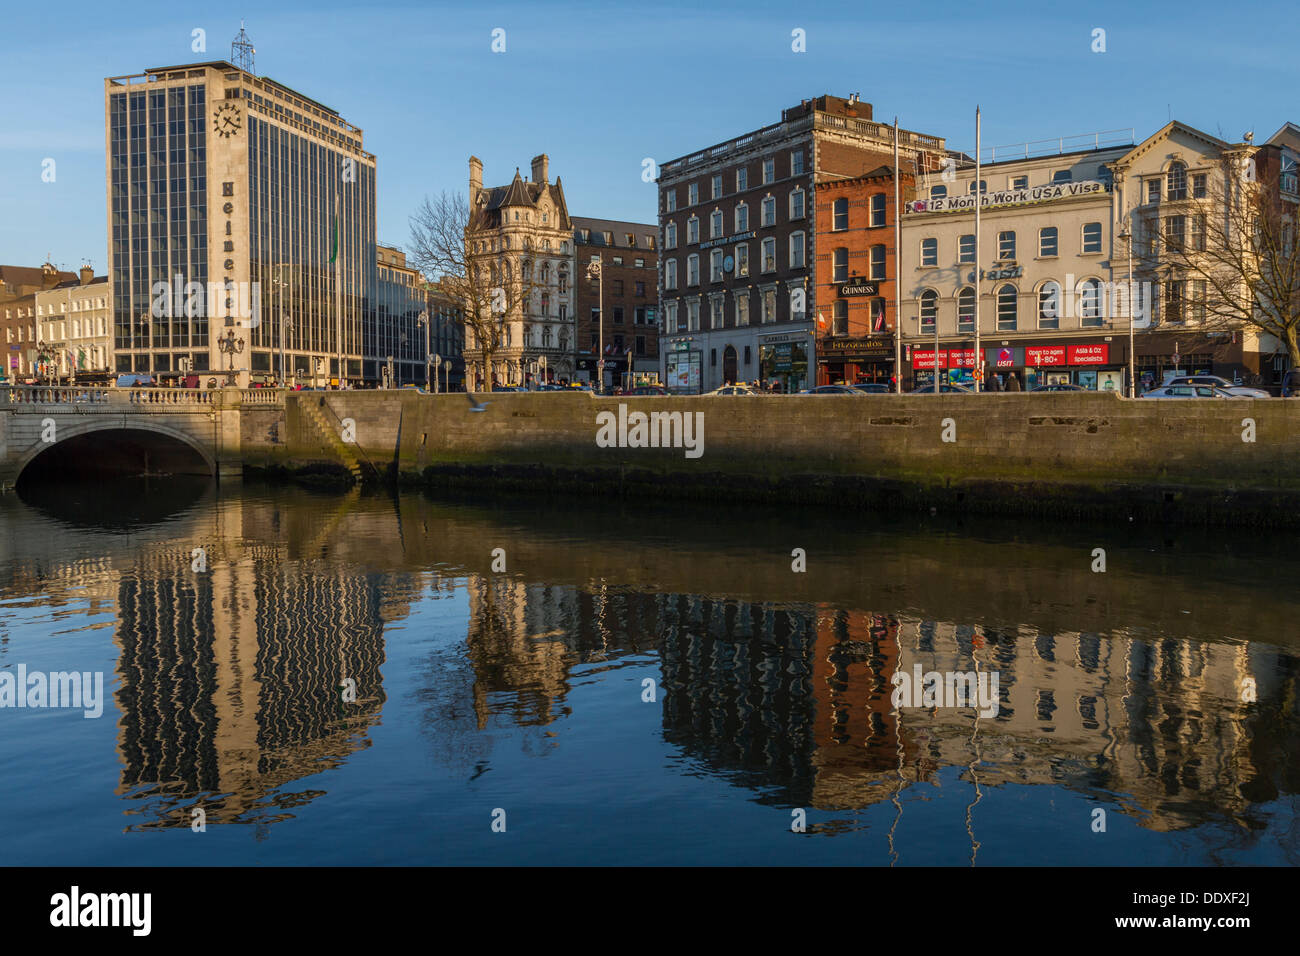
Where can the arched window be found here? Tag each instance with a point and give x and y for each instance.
(938, 192)
(1049, 305)
(1176, 181)
(546, 304)
(1007, 308)
(840, 215)
(966, 310)
(929, 310)
(1090, 303)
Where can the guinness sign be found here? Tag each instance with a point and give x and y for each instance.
(858, 285)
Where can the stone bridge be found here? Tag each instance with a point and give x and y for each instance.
(164, 431)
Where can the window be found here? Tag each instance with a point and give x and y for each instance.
(693, 315)
(1062, 176)
(638, 316)
(692, 230)
(769, 255)
(929, 309)
(1047, 241)
(1019, 182)
(1175, 233)
(877, 211)
(966, 248)
(640, 345)
(1007, 308)
(877, 262)
(670, 317)
(639, 263)
(796, 204)
(938, 192)
(715, 265)
(1007, 246)
(742, 179)
(742, 309)
(929, 252)
(1153, 190)
(966, 310)
(983, 187)
(876, 314)
(742, 217)
(840, 215)
(769, 170)
(796, 163)
(1173, 301)
(1198, 236)
(769, 211)
(692, 194)
(717, 185)
(716, 312)
(840, 317)
(670, 274)
(840, 267)
(1049, 305)
(715, 224)
(618, 261)
(1090, 303)
(692, 270)
(1199, 298)
(796, 250)
(617, 315)
(639, 289)
(769, 306)
(1200, 187)
(1176, 181)
(742, 260)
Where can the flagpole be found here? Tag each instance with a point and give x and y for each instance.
(338, 278)
(898, 272)
(979, 201)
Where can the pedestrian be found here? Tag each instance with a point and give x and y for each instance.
(1013, 383)
(995, 383)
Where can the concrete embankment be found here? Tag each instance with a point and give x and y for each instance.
(1067, 454)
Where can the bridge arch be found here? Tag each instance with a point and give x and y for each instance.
(177, 449)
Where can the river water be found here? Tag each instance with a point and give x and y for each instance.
(292, 677)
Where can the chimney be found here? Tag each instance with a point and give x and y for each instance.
(87, 274)
(475, 176)
(541, 168)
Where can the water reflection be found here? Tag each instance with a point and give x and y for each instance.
(778, 683)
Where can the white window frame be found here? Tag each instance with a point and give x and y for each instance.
(932, 243)
(742, 260)
(1083, 239)
(768, 203)
(798, 191)
(797, 245)
(768, 262)
(769, 170)
(1044, 238)
(692, 270)
(875, 221)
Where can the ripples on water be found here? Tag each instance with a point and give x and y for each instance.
(526, 690)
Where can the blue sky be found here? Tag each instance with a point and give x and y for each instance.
(601, 86)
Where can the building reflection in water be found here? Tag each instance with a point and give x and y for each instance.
(230, 682)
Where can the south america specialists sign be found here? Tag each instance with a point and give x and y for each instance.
(1008, 197)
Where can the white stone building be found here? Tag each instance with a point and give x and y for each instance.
(74, 322)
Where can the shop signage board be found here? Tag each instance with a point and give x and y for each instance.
(858, 285)
(1098, 354)
(948, 358)
(1004, 357)
(859, 346)
(1009, 197)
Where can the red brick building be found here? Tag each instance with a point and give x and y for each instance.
(855, 272)
(629, 257)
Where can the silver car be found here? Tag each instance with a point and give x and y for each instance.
(1241, 391)
(1190, 391)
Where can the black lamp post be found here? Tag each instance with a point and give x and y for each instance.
(230, 347)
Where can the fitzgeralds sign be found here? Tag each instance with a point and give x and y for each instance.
(1009, 197)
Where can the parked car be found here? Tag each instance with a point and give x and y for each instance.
(729, 390)
(954, 389)
(831, 390)
(1242, 391)
(416, 388)
(1058, 387)
(136, 380)
(873, 388)
(648, 390)
(1190, 391)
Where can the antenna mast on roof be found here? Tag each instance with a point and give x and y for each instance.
(241, 51)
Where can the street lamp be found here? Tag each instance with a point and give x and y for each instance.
(541, 364)
(423, 319)
(594, 271)
(230, 346)
(437, 364)
(1127, 236)
(280, 284)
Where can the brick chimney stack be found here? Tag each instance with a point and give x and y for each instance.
(541, 168)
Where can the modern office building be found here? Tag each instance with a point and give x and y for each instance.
(394, 333)
(236, 207)
(738, 290)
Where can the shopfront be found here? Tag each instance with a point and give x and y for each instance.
(1098, 366)
(682, 368)
(783, 360)
(850, 361)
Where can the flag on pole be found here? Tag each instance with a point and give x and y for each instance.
(334, 249)
(821, 320)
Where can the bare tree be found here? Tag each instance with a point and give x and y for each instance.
(485, 282)
(1223, 254)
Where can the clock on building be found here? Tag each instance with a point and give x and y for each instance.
(728, 264)
(225, 120)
